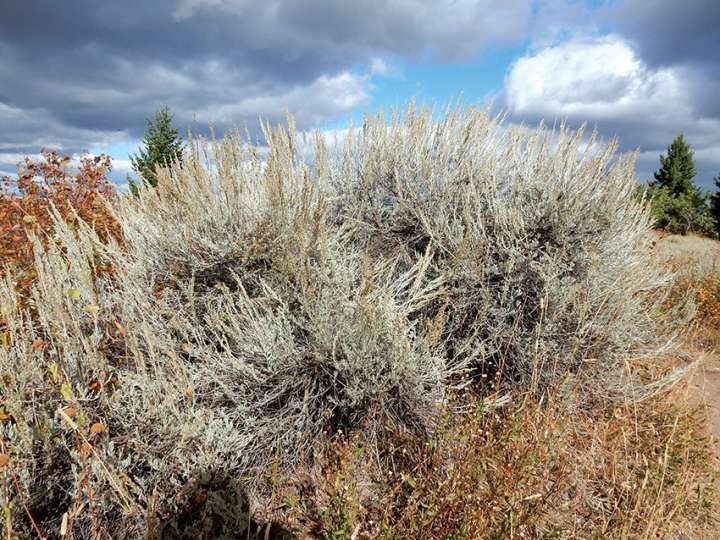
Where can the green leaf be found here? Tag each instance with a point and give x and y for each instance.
(55, 371)
(81, 421)
(91, 309)
(66, 391)
(74, 294)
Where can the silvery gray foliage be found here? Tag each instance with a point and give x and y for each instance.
(248, 330)
(260, 301)
(541, 246)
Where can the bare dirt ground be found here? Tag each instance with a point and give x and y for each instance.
(704, 389)
(706, 384)
(696, 258)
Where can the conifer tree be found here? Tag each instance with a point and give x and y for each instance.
(677, 202)
(677, 170)
(162, 145)
(715, 204)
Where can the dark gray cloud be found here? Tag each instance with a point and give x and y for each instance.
(84, 74)
(671, 32)
(683, 36)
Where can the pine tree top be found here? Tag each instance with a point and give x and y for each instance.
(677, 169)
(714, 204)
(162, 145)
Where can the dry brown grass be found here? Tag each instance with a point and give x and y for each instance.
(696, 262)
(531, 471)
(539, 470)
(693, 255)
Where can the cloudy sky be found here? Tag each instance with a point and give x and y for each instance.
(82, 75)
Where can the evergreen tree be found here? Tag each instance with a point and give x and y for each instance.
(678, 205)
(162, 145)
(715, 205)
(677, 170)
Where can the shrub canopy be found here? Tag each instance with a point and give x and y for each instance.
(260, 302)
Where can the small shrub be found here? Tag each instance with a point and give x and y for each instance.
(680, 214)
(708, 296)
(41, 188)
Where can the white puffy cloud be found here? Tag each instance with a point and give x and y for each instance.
(603, 80)
(596, 78)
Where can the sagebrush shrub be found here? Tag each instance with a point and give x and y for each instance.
(259, 301)
(235, 331)
(536, 237)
